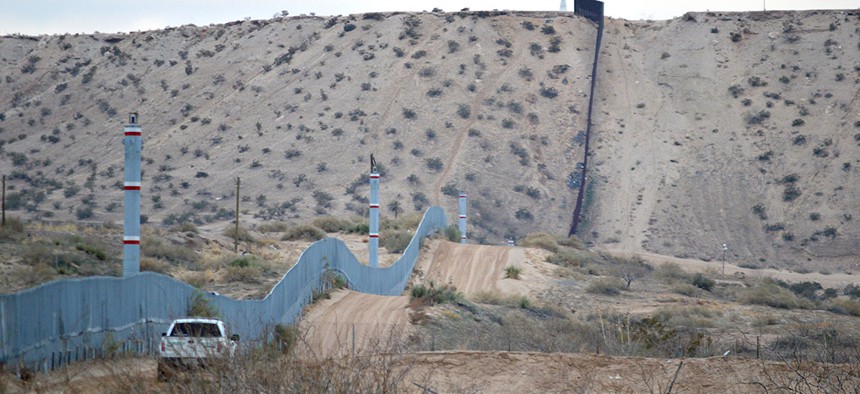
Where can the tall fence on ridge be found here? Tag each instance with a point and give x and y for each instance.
(67, 320)
(593, 10)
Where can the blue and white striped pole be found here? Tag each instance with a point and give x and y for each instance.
(374, 215)
(463, 217)
(131, 188)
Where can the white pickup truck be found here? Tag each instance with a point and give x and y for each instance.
(189, 342)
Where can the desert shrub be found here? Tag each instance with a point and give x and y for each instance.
(512, 272)
(496, 298)
(431, 295)
(671, 273)
(452, 233)
(852, 291)
(605, 286)
(200, 306)
(573, 241)
(808, 290)
(83, 213)
(95, 251)
(433, 163)
(395, 241)
(540, 240)
(523, 214)
(703, 282)
(685, 289)
(38, 254)
(13, 229)
(305, 232)
(567, 258)
(464, 111)
(331, 224)
(358, 228)
(149, 264)
(790, 193)
(771, 294)
(843, 306)
(246, 274)
(285, 337)
(274, 227)
(242, 235)
(157, 248)
(549, 92)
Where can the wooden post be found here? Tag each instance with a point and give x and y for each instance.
(236, 236)
(3, 204)
(757, 346)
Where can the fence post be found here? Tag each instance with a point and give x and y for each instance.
(757, 346)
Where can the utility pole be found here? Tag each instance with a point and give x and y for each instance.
(3, 222)
(725, 248)
(236, 235)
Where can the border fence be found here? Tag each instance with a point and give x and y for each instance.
(592, 10)
(68, 320)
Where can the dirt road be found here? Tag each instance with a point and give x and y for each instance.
(837, 280)
(354, 321)
(330, 325)
(481, 268)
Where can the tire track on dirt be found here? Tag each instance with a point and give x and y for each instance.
(351, 320)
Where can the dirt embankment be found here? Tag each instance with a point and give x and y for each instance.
(351, 320)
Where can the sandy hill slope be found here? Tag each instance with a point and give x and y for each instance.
(488, 103)
(736, 128)
(729, 128)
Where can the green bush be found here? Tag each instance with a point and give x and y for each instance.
(199, 306)
(395, 241)
(304, 232)
(358, 228)
(431, 294)
(512, 272)
(285, 337)
(331, 224)
(452, 232)
(99, 253)
(770, 294)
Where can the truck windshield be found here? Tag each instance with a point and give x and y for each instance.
(192, 329)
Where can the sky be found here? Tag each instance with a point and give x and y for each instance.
(34, 17)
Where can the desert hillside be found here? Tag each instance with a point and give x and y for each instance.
(730, 128)
(486, 103)
(736, 128)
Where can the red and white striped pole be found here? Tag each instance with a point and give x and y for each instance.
(374, 214)
(131, 187)
(463, 217)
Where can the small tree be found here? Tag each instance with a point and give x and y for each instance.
(394, 206)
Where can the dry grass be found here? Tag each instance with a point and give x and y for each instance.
(544, 241)
(605, 286)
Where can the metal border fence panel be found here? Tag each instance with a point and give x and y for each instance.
(73, 319)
